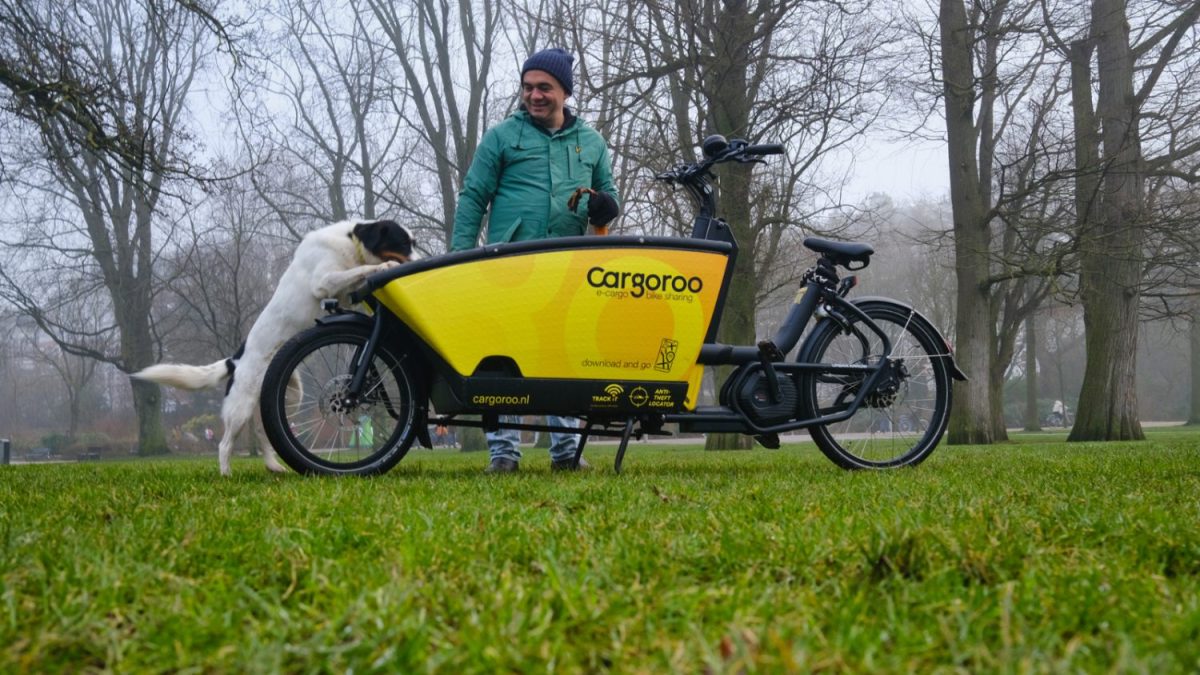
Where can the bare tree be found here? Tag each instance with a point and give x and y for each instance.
(970, 421)
(1112, 197)
(137, 63)
(1194, 364)
(1002, 97)
(44, 78)
(445, 53)
(10, 385)
(224, 275)
(316, 110)
(75, 372)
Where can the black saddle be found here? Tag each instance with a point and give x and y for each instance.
(842, 253)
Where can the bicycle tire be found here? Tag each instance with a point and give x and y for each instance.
(304, 409)
(874, 438)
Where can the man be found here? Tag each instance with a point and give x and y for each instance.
(529, 175)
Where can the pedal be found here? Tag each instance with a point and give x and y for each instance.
(767, 349)
(768, 353)
(768, 441)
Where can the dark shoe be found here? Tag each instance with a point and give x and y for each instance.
(569, 465)
(502, 465)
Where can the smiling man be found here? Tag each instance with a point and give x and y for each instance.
(530, 176)
(527, 169)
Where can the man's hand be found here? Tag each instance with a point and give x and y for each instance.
(602, 208)
(573, 201)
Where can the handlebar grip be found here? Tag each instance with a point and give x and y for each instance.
(765, 149)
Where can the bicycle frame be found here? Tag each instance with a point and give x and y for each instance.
(754, 360)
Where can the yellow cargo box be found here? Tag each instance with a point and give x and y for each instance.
(613, 309)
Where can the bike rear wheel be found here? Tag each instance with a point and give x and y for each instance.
(316, 425)
(901, 421)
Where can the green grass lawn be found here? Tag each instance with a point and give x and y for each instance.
(1030, 556)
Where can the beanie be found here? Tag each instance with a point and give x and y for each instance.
(555, 61)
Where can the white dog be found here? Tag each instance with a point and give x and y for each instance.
(329, 262)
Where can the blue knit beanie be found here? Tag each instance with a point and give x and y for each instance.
(555, 61)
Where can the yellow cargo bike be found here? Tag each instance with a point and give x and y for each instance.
(616, 331)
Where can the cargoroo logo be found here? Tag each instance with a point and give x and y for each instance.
(638, 283)
(491, 400)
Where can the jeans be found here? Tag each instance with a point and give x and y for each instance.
(506, 442)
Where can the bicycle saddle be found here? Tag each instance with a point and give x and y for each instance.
(842, 252)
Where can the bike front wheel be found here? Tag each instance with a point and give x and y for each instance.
(313, 420)
(904, 416)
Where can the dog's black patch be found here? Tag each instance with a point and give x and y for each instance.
(382, 237)
(231, 366)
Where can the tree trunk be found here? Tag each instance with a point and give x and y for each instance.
(147, 403)
(997, 422)
(1002, 348)
(74, 401)
(132, 309)
(737, 323)
(1032, 416)
(154, 52)
(1194, 414)
(730, 115)
(1111, 250)
(970, 420)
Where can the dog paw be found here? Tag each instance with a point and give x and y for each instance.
(275, 467)
(390, 264)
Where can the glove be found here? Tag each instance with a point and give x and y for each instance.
(602, 208)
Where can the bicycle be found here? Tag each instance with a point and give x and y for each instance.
(616, 331)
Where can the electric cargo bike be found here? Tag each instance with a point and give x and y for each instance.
(615, 331)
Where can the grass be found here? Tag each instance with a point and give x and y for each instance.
(1032, 556)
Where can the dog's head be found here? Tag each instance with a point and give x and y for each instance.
(385, 239)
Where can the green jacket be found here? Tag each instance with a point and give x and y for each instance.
(527, 175)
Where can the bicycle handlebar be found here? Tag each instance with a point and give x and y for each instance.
(718, 151)
(767, 149)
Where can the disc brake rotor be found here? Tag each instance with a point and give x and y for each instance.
(336, 402)
(890, 383)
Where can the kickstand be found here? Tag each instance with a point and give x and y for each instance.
(624, 444)
(587, 427)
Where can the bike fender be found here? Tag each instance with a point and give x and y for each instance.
(917, 317)
(346, 317)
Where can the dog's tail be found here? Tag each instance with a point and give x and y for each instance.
(187, 377)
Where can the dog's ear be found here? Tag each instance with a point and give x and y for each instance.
(383, 237)
(369, 233)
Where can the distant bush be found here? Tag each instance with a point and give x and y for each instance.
(90, 441)
(56, 442)
(199, 423)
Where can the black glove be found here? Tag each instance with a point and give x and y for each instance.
(602, 208)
